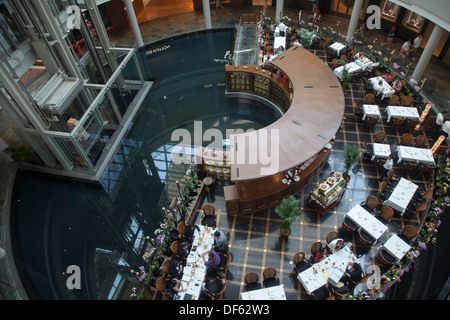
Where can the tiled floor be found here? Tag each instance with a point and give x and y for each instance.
(256, 243)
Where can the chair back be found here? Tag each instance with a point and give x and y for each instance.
(406, 139)
(209, 210)
(161, 283)
(251, 277)
(269, 273)
(393, 100)
(344, 58)
(165, 267)
(372, 202)
(181, 227)
(372, 120)
(386, 213)
(409, 232)
(427, 195)
(383, 185)
(408, 165)
(408, 101)
(380, 136)
(420, 141)
(174, 247)
(315, 247)
(299, 256)
(369, 98)
(421, 207)
(331, 236)
(398, 122)
(390, 174)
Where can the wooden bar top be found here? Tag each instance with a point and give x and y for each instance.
(312, 120)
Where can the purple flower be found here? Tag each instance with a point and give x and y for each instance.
(423, 245)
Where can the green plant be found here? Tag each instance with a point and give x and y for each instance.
(346, 77)
(21, 153)
(351, 156)
(288, 211)
(306, 37)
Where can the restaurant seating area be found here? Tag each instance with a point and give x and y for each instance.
(260, 259)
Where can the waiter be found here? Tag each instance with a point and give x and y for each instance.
(282, 28)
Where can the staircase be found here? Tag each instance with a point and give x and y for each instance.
(246, 46)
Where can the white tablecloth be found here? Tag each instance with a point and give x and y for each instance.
(337, 47)
(381, 150)
(351, 67)
(192, 282)
(371, 111)
(364, 62)
(367, 221)
(418, 155)
(318, 275)
(385, 89)
(402, 195)
(410, 113)
(271, 293)
(278, 42)
(396, 246)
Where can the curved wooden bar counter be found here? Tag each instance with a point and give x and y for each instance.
(299, 139)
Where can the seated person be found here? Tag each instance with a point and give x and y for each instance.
(387, 78)
(172, 288)
(358, 55)
(317, 257)
(190, 230)
(336, 245)
(183, 252)
(213, 258)
(397, 85)
(280, 50)
(220, 240)
(176, 269)
(353, 273)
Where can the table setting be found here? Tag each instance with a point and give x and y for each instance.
(337, 47)
(396, 247)
(371, 111)
(410, 113)
(418, 155)
(402, 195)
(271, 293)
(367, 221)
(194, 271)
(382, 87)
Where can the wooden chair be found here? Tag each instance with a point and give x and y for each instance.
(316, 247)
(335, 63)
(270, 278)
(357, 112)
(380, 136)
(174, 248)
(344, 58)
(386, 214)
(160, 285)
(208, 217)
(251, 281)
(181, 228)
(427, 169)
(393, 100)
(300, 263)
(398, 122)
(321, 294)
(385, 192)
(409, 165)
(408, 101)
(420, 141)
(348, 225)
(406, 139)
(364, 238)
(408, 233)
(165, 267)
(412, 123)
(331, 236)
(369, 98)
(371, 203)
(386, 259)
(372, 120)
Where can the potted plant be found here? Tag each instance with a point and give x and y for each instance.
(289, 212)
(346, 77)
(21, 153)
(351, 157)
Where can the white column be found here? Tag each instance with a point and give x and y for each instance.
(207, 14)
(427, 52)
(133, 21)
(354, 19)
(279, 11)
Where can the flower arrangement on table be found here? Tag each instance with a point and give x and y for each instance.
(427, 233)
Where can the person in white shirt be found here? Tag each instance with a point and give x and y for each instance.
(405, 50)
(438, 125)
(416, 44)
(386, 167)
(282, 28)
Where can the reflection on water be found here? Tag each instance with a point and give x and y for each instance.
(101, 227)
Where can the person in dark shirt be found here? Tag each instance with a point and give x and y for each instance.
(176, 269)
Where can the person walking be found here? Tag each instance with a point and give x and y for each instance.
(391, 35)
(416, 44)
(405, 50)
